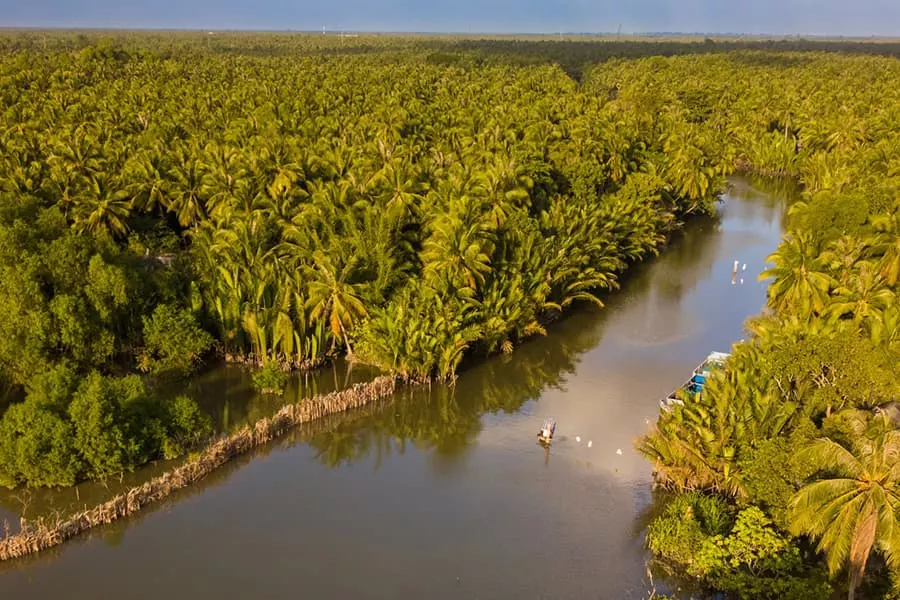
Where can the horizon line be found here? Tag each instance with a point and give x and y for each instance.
(400, 32)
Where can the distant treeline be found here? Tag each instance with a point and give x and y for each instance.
(573, 53)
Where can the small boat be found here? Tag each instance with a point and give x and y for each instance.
(694, 385)
(547, 429)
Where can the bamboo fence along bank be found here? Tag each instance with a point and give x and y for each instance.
(41, 534)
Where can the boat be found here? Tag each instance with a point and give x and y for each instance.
(694, 386)
(547, 429)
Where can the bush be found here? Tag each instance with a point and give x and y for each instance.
(689, 519)
(173, 341)
(105, 435)
(270, 379)
(37, 447)
(772, 489)
(64, 432)
(53, 388)
(187, 426)
(744, 555)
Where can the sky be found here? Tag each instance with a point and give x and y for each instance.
(780, 17)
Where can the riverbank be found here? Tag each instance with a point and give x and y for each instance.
(43, 534)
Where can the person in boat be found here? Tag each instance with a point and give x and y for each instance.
(546, 432)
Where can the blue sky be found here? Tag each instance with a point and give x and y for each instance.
(810, 17)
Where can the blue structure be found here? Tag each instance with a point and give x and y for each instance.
(694, 385)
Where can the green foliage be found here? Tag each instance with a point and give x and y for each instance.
(741, 554)
(187, 427)
(412, 206)
(678, 535)
(270, 379)
(53, 388)
(828, 367)
(700, 445)
(420, 334)
(174, 341)
(772, 470)
(852, 509)
(67, 430)
(104, 433)
(66, 298)
(37, 447)
(304, 220)
(755, 560)
(829, 344)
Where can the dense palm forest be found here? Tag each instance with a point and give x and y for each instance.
(281, 200)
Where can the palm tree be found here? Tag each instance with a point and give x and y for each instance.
(456, 251)
(403, 194)
(103, 209)
(801, 284)
(226, 179)
(698, 445)
(889, 225)
(146, 175)
(332, 298)
(842, 255)
(854, 508)
(865, 295)
(184, 197)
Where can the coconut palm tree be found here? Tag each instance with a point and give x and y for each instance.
(184, 196)
(842, 255)
(103, 208)
(865, 296)
(801, 283)
(332, 298)
(457, 252)
(889, 226)
(853, 509)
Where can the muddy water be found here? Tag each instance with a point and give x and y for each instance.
(446, 493)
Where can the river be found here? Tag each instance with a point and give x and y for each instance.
(446, 493)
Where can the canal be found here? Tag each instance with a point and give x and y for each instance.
(446, 493)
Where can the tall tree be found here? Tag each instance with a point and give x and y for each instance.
(854, 508)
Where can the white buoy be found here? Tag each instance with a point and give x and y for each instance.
(590, 443)
(619, 452)
(742, 281)
(744, 268)
(578, 438)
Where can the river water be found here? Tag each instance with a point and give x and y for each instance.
(446, 493)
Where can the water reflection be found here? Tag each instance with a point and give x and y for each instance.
(226, 392)
(768, 198)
